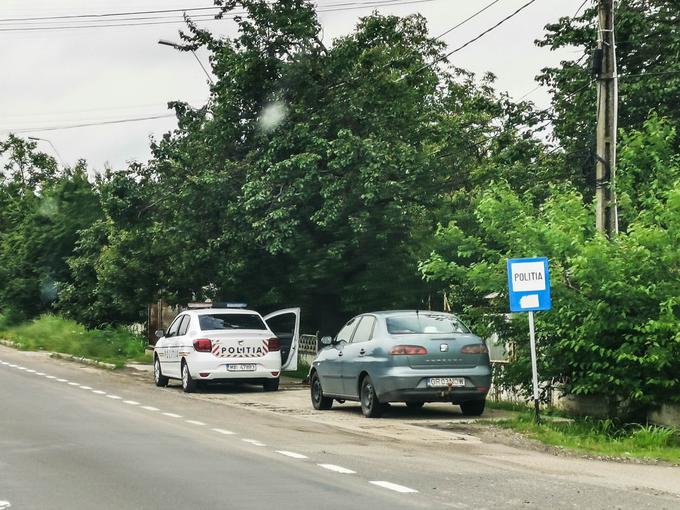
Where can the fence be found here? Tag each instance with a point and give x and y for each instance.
(308, 347)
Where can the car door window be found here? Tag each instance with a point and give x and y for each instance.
(172, 331)
(345, 334)
(364, 330)
(184, 326)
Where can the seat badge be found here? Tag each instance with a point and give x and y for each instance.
(444, 347)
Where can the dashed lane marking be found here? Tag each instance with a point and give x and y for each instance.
(131, 402)
(393, 487)
(292, 455)
(114, 397)
(225, 432)
(84, 387)
(74, 384)
(62, 380)
(40, 373)
(254, 442)
(50, 377)
(172, 415)
(337, 469)
(99, 392)
(150, 408)
(30, 371)
(194, 422)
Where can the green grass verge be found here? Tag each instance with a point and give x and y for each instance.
(52, 333)
(602, 437)
(301, 373)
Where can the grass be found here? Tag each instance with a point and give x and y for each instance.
(602, 437)
(52, 333)
(301, 373)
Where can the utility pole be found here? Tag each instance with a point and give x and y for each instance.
(604, 65)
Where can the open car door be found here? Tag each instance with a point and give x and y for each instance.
(285, 324)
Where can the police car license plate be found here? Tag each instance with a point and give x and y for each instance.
(445, 382)
(241, 367)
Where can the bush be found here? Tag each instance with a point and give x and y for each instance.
(53, 333)
(614, 329)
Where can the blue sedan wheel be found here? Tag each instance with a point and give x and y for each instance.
(370, 405)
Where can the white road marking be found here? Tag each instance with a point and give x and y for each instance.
(150, 408)
(172, 415)
(13, 366)
(84, 387)
(337, 469)
(40, 373)
(99, 392)
(114, 397)
(22, 368)
(394, 487)
(131, 402)
(74, 384)
(30, 371)
(292, 455)
(4, 505)
(254, 442)
(50, 377)
(62, 380)
(194, 422)
(225, 432)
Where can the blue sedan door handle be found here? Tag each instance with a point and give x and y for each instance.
(340, 353)
(362, 352)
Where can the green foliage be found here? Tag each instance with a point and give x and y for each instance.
(314, 176)
(649, 78)
(602, 437)
(53, 333)
(614, 326)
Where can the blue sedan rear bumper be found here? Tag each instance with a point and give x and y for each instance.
(404, 384)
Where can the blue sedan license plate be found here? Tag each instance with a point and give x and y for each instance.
(241, 367)
(445, 382)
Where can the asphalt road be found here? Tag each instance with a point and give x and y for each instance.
(83, 438)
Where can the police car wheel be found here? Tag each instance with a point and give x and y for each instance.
(188, 383)
(158, 378)
(271, 385)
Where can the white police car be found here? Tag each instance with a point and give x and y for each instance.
(227, 342)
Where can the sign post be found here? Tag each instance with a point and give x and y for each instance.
(529, 285)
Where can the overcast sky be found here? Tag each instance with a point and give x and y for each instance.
(57, 78)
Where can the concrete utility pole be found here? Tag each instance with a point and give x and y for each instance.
(604, 65)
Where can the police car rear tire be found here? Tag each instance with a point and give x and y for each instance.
(158, 378)
(188, 383)
(271, 385)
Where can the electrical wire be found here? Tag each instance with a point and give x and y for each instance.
(89, 124)
(467, 19)
(110, 20)
(474, 39)
(579, 8)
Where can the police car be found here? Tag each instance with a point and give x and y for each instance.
(227, 342)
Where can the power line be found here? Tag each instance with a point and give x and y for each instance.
(112, 19)
(467, 19)
(579, 8)
(426, 66)
(89, 124)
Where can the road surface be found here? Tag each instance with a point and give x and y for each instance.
(74, 437)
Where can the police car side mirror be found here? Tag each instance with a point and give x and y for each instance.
(326, 340)
(159, 333)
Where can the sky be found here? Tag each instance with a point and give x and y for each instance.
(66, 77)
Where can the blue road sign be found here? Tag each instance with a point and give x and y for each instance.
(529, 284)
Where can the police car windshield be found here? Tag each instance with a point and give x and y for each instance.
(217, 321)
(424, 323)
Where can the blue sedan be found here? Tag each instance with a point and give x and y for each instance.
(402, 356)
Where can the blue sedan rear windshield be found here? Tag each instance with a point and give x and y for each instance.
(424, 323)
(213, 321)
